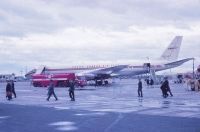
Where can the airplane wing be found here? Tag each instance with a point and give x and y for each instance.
(109, 70)
(106, 70)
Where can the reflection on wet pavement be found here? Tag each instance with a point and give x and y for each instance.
(166, 104)
(64, 125)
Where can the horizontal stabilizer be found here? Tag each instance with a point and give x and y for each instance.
(178, 63)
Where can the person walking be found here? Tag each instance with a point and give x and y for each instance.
(165, 88)
(140, 88)
(168, 88)
(71, 90)
(51, 90)
(8, 91)
(13, 88)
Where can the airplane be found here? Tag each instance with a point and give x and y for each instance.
(102, 72)
(92, 72)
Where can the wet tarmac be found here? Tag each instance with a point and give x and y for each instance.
(119, 99)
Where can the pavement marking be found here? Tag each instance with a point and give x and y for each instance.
(119, 117)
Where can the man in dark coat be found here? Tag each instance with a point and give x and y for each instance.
(71, 90)
(13, 88)
(165, 88)
(8, 91)
(51, 90)
(140, 88)
(168, 88)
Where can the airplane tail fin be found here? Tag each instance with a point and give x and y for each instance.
(172, 51)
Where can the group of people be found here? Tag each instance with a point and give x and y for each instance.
(10, 90)
(165, 88)
(52, 92)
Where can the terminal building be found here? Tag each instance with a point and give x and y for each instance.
(4, 77)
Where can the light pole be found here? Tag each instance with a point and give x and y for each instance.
(193, 69)
(21, 72)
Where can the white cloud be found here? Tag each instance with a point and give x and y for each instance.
(60, 33)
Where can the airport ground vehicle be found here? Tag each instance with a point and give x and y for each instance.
(60, 80)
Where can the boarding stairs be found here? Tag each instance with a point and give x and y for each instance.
(152, 75)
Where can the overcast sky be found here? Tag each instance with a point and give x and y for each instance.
(60, 33)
